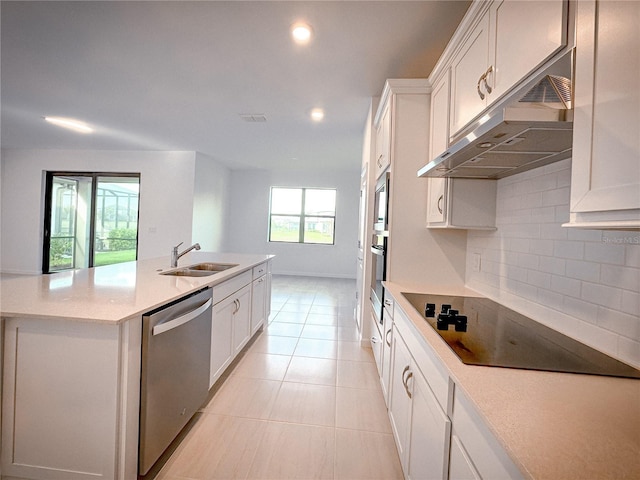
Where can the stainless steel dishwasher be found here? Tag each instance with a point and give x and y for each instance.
(176, 341)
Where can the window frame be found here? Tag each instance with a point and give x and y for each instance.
(302, 216)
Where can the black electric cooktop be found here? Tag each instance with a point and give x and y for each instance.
(483, 332)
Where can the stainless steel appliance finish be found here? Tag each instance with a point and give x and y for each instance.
(378, 273)
(381, 205)
(176, 343)
(483, 332)
(515, 135)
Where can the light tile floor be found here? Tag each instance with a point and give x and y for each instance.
(304, 402)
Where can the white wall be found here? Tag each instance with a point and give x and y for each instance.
(584, 283)
(166, 199)
(249, 221)
(210, 202)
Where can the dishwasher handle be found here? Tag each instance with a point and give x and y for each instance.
(182, 319)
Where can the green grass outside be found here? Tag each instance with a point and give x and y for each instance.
(118, 256)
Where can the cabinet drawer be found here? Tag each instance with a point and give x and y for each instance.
(260, 270)
(222, 291)
(425, 359)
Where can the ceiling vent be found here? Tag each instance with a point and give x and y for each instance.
(253, 117)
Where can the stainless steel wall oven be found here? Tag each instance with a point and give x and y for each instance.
(379, 243)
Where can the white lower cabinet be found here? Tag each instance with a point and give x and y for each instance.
(387, 332)
(460, 465)
(70, 399)
(258, 303)
(221, 332)
(376, 341)
(420, 427)
(475, 452)
(233, 315)
(438, 434)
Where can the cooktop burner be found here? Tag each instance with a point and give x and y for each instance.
(483, 332)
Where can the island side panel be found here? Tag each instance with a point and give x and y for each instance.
(61, 399)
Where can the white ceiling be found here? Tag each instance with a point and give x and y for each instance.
(176, 75)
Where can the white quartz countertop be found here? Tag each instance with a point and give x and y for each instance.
(112, 293)
(553, 425)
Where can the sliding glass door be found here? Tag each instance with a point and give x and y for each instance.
(91, 219)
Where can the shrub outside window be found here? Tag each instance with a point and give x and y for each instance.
(302, 215)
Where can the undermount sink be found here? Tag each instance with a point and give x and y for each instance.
(200, 269)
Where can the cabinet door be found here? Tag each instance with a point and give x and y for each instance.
(430, 431)
(605, 173)
(526, 34)
(241, 318)
(460, 466)
(436, 201)
(400, 396)
(258, 303)
(468, 93)
(376, 342)
(439, 117)
(221, 331)
(383, 141)
(387, 332)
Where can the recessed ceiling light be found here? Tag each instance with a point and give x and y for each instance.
(70, 123)
(301, 33)
(317, 114)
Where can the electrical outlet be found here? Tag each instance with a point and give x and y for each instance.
(475, 262)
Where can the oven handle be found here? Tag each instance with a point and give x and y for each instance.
(377, 249)
(182, 319)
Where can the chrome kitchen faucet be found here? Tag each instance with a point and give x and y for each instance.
(175, 255)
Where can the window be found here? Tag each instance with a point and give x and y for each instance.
(90, 220)
(302, 215)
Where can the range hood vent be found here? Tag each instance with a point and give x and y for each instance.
(517, 135)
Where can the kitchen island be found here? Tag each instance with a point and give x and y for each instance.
(513, 423)
(72, 356)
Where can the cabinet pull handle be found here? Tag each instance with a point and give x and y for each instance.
(374, 340)
(487, 88)
(406, 385)
(482, 77)
(439, 204)
(406, 380)
(386, 338)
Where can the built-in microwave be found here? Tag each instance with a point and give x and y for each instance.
(381, 205)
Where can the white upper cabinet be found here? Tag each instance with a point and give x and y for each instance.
(605, 173)
(383, 138)
(454, 203)
(468, 76)
(526, 34)
(509, 40)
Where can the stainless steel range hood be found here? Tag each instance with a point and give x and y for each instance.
(531, 128)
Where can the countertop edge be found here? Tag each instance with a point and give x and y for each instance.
(32, 297)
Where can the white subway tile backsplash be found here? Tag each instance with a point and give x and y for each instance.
(568, 249)
(585, 311)
(566, 286)
(590, 277)
(553, 231)
(631, 303)
(539, 279)
(618, 322)
(582, 270)
(559, 196)
(606, 296)
(627, 278)
(552, 265)
(604, 253)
